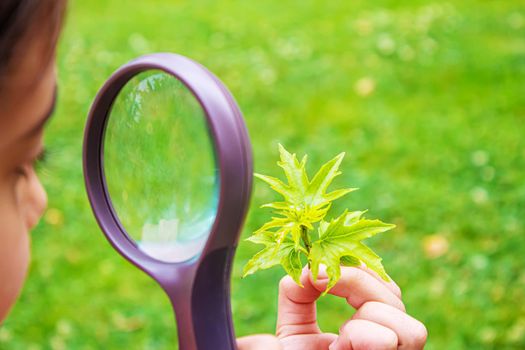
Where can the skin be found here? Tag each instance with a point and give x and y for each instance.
(380, 320)
(27, 97)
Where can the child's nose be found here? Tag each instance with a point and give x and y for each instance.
(37, 200)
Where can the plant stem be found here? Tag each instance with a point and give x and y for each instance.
(306, 240)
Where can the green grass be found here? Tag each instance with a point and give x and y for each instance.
(425, 98)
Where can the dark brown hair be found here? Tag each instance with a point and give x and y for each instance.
(22, 20)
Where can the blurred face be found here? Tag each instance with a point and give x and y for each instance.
(27, 99)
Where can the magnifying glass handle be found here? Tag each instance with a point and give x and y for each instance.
(186, 334)
(203, 314)
(216, 338)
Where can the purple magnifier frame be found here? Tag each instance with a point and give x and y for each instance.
(199, 289)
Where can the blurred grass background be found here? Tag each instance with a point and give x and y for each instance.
(426, 98)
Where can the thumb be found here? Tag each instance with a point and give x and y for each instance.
(297, 313)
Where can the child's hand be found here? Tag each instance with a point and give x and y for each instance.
(380, 321)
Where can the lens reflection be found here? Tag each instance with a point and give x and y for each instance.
(160, 167)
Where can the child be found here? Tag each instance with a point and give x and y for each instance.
(28, 34)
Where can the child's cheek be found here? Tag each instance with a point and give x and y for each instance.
(14, 254)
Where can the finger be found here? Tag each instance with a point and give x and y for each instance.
(358, 287)
(259, 342)
(392, 285)
(364, 335)
(411, 333)
(297, 311)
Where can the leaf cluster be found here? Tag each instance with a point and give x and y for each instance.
(288, 235)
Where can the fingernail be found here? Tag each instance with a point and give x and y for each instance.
(322, 280)
(306, 270)
(322, 275)
(333, 345)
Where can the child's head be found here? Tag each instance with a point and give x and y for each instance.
(28, 33)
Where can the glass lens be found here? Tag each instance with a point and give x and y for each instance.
(160, 167)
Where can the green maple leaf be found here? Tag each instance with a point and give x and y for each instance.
(340, 243)
(305, 202)
(288, 255)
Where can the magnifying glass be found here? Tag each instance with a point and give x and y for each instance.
(168, 172)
